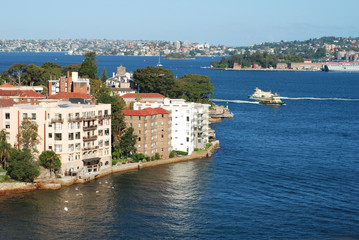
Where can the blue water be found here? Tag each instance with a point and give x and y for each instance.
(288, 172)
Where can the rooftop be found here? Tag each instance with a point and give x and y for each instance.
(146, 112)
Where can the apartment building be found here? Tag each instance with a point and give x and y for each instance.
(22, 96)
(190, 122)
(69, 84)
(79, 133)
(131, 97)
(153, 129)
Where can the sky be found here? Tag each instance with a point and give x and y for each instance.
(228, 22)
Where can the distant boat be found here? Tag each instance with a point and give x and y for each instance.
(259, 94)
(159, 62)
(273, 100)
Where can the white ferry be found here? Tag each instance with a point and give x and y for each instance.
(259, 94)
(273, 100)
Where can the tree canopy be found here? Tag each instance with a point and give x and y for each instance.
(50, 160)
(155, 80)
(21, 166)
(28, 136)
(88, 67)
(197, 88)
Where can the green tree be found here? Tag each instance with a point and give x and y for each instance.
(21, 166)
(104, 76)
(5, 148)
(88, 66)
(197, 88)
(155, 80)
(98, 88)
(28, 136)
(70, 68)
(128, 141)
(50, 160)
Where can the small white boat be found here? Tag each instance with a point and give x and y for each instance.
(259, 94)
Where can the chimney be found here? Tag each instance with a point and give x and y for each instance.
(68, 82)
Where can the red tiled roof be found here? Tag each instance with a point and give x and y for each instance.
(6, 85)
(143, 95)
(61, 95)
(7, 102)
(21, 93)
(145, 112)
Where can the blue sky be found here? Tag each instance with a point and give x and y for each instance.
(229, 22)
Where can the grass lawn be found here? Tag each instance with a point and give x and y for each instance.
(2, 170)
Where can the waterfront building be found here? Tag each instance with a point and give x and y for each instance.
(190, 122)
(69, 84)
(79, 133)
(153, 129)
(152, 97)
(70, 96)
(121, 82)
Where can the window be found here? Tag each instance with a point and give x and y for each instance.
(71, 115)
(106, 112)
(71, 147)
(107, 142)
(71, 125)
(77, 135)
(50, 125)
(188, 139)
(100, 112)
(24, 115)
(78, 125)
(58, 136)
(107, 131)
(33, 116)
(187, 119)
(71, 136)
(139, 131)
(162, 136)
(50, 147)
(139, 139)
(77, 146)
(50, 135)
(58, 148)
(162, 115)
(7, 125)
(77, 116)
(58, 126)
(139, 117)
(100, 143)
(100, 132)
(130, 117)
(58, 116)
(107, 122)
(7, 115)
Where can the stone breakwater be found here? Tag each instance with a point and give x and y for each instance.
(56, 183)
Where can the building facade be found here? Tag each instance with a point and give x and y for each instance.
(153, 129)
(190, 122)
(69, 84)
(79, 133)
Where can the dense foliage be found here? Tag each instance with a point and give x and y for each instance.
(176, 56)
(50, 160)
(264, 60)
(88, 66)
(192, 87)
(22, 167)
(28, 136)
(123, 139)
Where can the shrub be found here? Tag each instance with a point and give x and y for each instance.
(208, 145)
(172, 154)
(114, 161)
(138, 157)
(157, 156)
(21, 166)
(153, 158)
(196, 149)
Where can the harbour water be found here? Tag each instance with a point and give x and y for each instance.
(288, 172)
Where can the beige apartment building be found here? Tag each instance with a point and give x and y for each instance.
(153, 129)
(79, 133)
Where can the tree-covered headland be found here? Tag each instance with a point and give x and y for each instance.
(265, 60)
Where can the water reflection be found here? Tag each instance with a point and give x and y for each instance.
(137, 204)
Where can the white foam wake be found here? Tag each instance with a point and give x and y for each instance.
(320, 99)
(234, 101)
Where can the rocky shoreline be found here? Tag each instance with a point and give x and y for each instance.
(57, 183)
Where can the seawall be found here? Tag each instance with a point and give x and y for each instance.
(53, 184)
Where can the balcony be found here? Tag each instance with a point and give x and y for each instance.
(78, 119)
(90, 148)
(104, 116)
(57, 120)
(90, 128)
(89, 138)
(89, 118)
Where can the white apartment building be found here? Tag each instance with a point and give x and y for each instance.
(79, 133)
(190, 122)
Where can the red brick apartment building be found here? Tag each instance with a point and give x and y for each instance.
(153, 129)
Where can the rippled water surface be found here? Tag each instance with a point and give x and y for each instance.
(288, 172)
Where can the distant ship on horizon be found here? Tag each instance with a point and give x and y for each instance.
(341, 67)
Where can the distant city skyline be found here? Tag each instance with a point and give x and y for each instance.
(231, 23)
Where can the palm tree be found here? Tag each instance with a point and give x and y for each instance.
(5, 148)
(50, 160)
